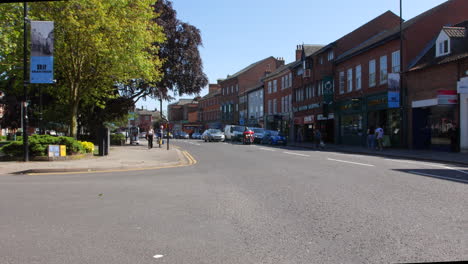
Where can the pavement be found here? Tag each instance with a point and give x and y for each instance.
(424, 155)
(127, 157)
(241, 204)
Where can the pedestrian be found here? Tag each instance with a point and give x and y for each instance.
(149, 137)
(379, 134)
(318, 139)
(371, 137)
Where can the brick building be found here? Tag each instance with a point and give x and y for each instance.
(313, 96)
(233, 111)
(278, 96)
(144, 118)
(255, 109)
(362, 75)
(434, 112)
(183, 115)
(209, 108)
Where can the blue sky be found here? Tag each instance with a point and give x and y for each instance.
(238, 33)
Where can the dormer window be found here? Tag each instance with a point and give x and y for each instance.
(443, 47)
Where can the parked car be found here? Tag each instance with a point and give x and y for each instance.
(213, 135)
(196, 135)
(183, 135)
(259, 133)
(273, 138)
(237, 133)
(228, 131)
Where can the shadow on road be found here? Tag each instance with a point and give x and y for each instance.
(460, 176)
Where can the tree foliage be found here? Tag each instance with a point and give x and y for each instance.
(182, 65)
(97, 44)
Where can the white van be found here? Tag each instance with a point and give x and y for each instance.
(228, 131)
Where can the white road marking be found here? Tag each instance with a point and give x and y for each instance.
(158, 256)
(428, 164)
(356, 163)
(267, 149)
(297, 154)
(438, 176)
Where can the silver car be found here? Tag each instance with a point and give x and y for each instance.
(213, 135)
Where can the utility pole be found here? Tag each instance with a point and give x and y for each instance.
(25, 83)
(403, 118)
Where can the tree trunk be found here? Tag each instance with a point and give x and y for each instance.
(74, 120)
(74, 102)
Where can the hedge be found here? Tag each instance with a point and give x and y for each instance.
(116, 139)
(38, 146)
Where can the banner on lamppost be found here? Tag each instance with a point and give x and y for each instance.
(393, 90)
(42, 52)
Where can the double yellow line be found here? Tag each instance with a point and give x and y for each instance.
(190, 158)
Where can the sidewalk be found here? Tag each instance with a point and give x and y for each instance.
(126, 157)
(425, 155)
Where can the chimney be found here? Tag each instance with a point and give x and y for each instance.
(298, 52)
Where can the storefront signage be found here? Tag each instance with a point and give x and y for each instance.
(321, 117)
(308, 119)
(393, 90)
(447, 97)
(312, 106)
(462, 86)
(351, 106)
(377, 101)
(298, 120)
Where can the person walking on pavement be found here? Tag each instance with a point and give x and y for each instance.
(371, 137)
(317, 138)
(149, 137)
(379, 133)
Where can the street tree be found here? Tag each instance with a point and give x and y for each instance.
(181, 62)
(97, 44)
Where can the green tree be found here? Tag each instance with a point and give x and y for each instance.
(99, 43)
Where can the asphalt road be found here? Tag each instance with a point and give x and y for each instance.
(241, 204)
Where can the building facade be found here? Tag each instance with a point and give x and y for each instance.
(233, 89)
(209, 108)
(435, 118)
(254, 97)
(183, 115)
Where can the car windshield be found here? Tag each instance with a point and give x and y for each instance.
(239, 128)
(215, 131)
(258, 130)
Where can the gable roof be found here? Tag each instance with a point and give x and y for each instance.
(310, 49)
(235, 75)
(281, 69)
(387, 35)
(455, 32)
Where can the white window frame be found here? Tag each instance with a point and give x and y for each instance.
(274, 106)
(358, 77)
(290, 79)
(372, 73)
(331, 56)
(275, 86)
(237, 87)
(383, 69)
(269, 87)
(396, 61)
(342, 82)
(349, 80)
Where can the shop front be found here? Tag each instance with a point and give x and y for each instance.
(357, 115)
(326, 125)
(434, 122)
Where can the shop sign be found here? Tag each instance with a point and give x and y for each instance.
(321, 117)
(462, 86)
(298, 120)
(350, 106)
(312, 106)
(447, 97)
(377, 101)
(308, 119)
(393, 90)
